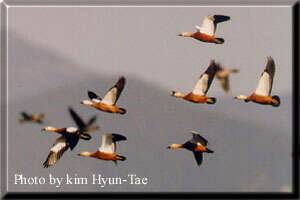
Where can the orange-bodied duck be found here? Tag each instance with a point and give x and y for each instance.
(198, 95)
(108, 103)
(107, 150)
(264, 88)
(32, 118)
(223, 76)
(82, 126)
(198, 145)
(206, 32)
(68, 139)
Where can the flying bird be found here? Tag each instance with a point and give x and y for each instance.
(198, 95)
(32, 118)
(223, 76)
(198, 145)
(264, 87)
(108, 103)
(69, 138)
(82, 126)
(107, 150)
(206, 32)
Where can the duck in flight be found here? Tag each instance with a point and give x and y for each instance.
(108, 103)
(198, 145)
(264, 87)
(82, 126)
(198, 95)
(223, 76)
(32, 118)
(107, 150)
(206, 32)
(69, 138)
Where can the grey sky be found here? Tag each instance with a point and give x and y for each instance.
(57, 54)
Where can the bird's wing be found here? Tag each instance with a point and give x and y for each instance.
(198, 157)
(198, 138)
(205, 79)
(265, 82)
(225, 83)
(113, 94)
(93, 95)
(207, 27)
(189, 145)
(79, 122)
(56, 152)
(107, 146)
(25, 115)
(92, 120)
(218, 19)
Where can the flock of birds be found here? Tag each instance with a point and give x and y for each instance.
(198, 144)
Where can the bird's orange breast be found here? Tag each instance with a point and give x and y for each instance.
(260, 99)
(200, 148)
(195, 98)
(105, 156)
(105, 107)
(203, 37)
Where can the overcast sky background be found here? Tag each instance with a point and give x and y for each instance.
(56, 54)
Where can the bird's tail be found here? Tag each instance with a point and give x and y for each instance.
(211, 100)
(121, 158)
(122, 111)
(209, 150)
(219, 40)
(275, 101)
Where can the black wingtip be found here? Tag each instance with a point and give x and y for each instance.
(118, 137)
(221, 18)
(92, 95)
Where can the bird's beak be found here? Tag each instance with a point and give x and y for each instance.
(43, 129)
(235, 98)
(179, 34)
(81, 102)
(168, 147)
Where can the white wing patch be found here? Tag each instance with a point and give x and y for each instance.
(208, 26)
(107, 145)
(110, 97)
(201, 85)
(264, 85)
(72, 129)
(59, 144)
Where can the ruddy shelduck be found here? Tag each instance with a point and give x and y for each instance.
(82, 126)
(223, 76)
(206, 32)
(198, 95)
(32, 118)
(108, 103)
(264, 87)
(68, 139)
(107, 150)
(198, 145)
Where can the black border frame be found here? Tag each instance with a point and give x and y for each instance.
(150, 195)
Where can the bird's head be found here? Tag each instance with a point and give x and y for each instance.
(87, 102)
(185, 34)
